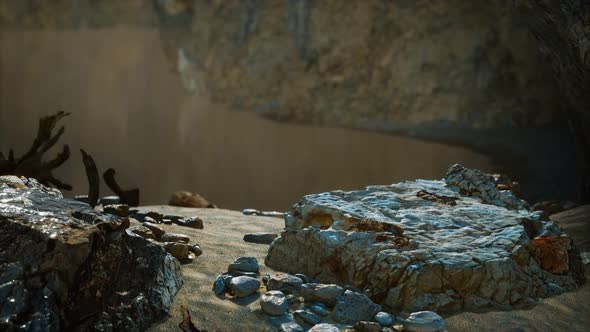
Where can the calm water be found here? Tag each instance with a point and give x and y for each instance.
(131, 113)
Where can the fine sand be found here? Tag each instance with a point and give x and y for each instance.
(221, 241)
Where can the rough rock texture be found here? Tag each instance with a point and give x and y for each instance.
(394, 64)
(445, 245)
(64, 266)
(274, 303)
(352, 307)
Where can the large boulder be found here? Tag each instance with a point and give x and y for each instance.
(446, 245)
(65, 266)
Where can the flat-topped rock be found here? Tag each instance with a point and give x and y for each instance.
(446, 245)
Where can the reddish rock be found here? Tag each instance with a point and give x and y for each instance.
(552, 253)
(188, 199)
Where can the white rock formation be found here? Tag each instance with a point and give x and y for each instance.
(447, 245)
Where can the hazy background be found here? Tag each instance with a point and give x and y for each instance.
(131, 113)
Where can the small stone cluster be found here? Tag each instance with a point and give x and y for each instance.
(175, 243)
(297, 303)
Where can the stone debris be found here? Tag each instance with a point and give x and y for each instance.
(180, 251)
(290, 327)
(121, 210)
(274, 303)
(365, 326)
(424, 321)
(260, 238)
(454, 244)
(352, 307)
(319, 309)
(243, 286)
(143, 231)
(58, 253)
(156, 230)
(190, 222)
(284, 282)
(109, 200)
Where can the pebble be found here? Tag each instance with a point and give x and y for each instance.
(243, 286)
(167, 221)
(175, 237)
(155, 215)
(178, 250)
(196, 249)
(326, 293)
(424, 321)
(306, 317)
(384, 318)
(144, 218)
(274, 303)
(324, 327)
(219, 285)
(294, 301)
(265, 278)
(260, 238)
(285, 283)
(191, 222)
(157, 230)
(244, 264)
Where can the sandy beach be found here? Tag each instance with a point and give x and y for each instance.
(221, 241)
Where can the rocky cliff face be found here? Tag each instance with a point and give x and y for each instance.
(390, 65)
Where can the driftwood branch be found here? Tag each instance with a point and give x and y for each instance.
(93, 178)
(31, 164)
(187, 325)
(129, 197)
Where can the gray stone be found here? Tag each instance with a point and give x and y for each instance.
(352, 307)
(294, 301)
(290, 327)
(219, 285)
(306, 317)
(439, 242)
(285, 283)
(324, 327)
(274, 303)
(303, 277)
(190, 222)
(109, 200)
(243, 286)
(244, 264)
(384, 318)
(260, 238)
(237, 273)
(424, 321)
(326, 293)
(175, 237)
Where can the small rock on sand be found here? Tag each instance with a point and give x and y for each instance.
(285, 283)
(244, 264)
(326, 293)
(196, 249)
(191, 222)
(178, 250)
(142, 231)
(243, 286)
(175, 237)
(219, 285)
(260, 238)
(424, 321)
(274, 303)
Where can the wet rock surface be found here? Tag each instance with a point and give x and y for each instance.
(65, 266)
(455, 244)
